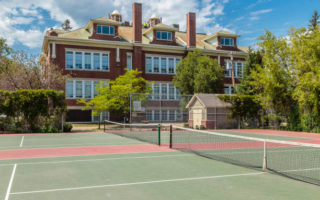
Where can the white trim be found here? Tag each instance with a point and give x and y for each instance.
(152, 56)
(83, 80)
(140, 183)
(118, 55)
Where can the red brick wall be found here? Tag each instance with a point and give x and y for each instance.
(137, 22)
(190, 122)
(191, 29)
(97, 36)
(208, 124)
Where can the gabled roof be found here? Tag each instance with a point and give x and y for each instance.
(102, 20)
(160, 27)
(221, 33)
(208, 101)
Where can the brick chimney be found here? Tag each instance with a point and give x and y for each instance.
(191, 29)
(137, 22)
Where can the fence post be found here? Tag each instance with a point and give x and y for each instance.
(159, 134)
(264, 164)
(170, 143)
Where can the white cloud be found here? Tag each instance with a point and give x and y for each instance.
(27, 12)
(259, 12)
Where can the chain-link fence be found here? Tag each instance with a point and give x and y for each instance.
(159, 108)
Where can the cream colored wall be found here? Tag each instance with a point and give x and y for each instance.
(197, 113)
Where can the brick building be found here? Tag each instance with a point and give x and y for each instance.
(105, 46)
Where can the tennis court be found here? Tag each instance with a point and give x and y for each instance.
(119, 167)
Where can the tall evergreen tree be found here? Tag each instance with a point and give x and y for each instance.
(314, 22)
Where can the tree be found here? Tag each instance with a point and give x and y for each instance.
(274, 79)
(305, 58)
(314, 22)
(197, 73)
(253, 60)
(22, 71)
(66, 25)
(114, 96)
(5, 50)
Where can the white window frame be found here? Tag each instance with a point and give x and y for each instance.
(83, 87)
(224, 38)
(109, 27)
(83, 52)
(130, 55)
(167, 33)
(175, 58)
(229, 88)
(167, 86)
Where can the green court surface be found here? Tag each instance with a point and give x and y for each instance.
(158, 175)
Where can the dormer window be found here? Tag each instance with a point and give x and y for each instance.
(105, 29)
(227, 41)
(164, 35)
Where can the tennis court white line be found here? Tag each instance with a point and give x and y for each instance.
(298, 170)
(21, 143)
(138, 183)
(99, 159)
(10, 182)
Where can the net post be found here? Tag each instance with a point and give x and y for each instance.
(264, 164)
(159, 134)
(170, 144)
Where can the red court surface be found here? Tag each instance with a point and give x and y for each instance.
(79, 151)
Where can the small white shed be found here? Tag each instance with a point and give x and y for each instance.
(209, 111)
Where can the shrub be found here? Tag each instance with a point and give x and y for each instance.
(186, 125)
(197, 127)
(67, 127)
(202, 127)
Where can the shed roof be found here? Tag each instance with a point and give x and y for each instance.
(208, 101)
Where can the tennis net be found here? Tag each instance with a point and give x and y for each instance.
(295, 160)
(149, 133)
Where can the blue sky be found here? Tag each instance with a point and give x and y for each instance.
(23, 23)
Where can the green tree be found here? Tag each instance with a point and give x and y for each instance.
(197, 73)
(4, 48)
(66, 25)
(114, 96)
(305, 58)
(314, 22)
(253, 60)
(274, 79)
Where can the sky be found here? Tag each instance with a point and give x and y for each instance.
(23, 23)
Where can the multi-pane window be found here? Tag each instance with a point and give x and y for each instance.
(105, 29)
(129, 62)
(69, 60)
(96, 61)
(87, 89)
(162, 65)
(164, 35)
(239, 69)
(81, 89)
(87, 60)
(227, 41)
(69, 89)
(78, 60)
(237, 66)
(164, 91)
(171, 91)
(103, 116)
(149, 64)
(163, 115)
(156, 91)
(105, 61)
(155, 65)
(171, 66)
